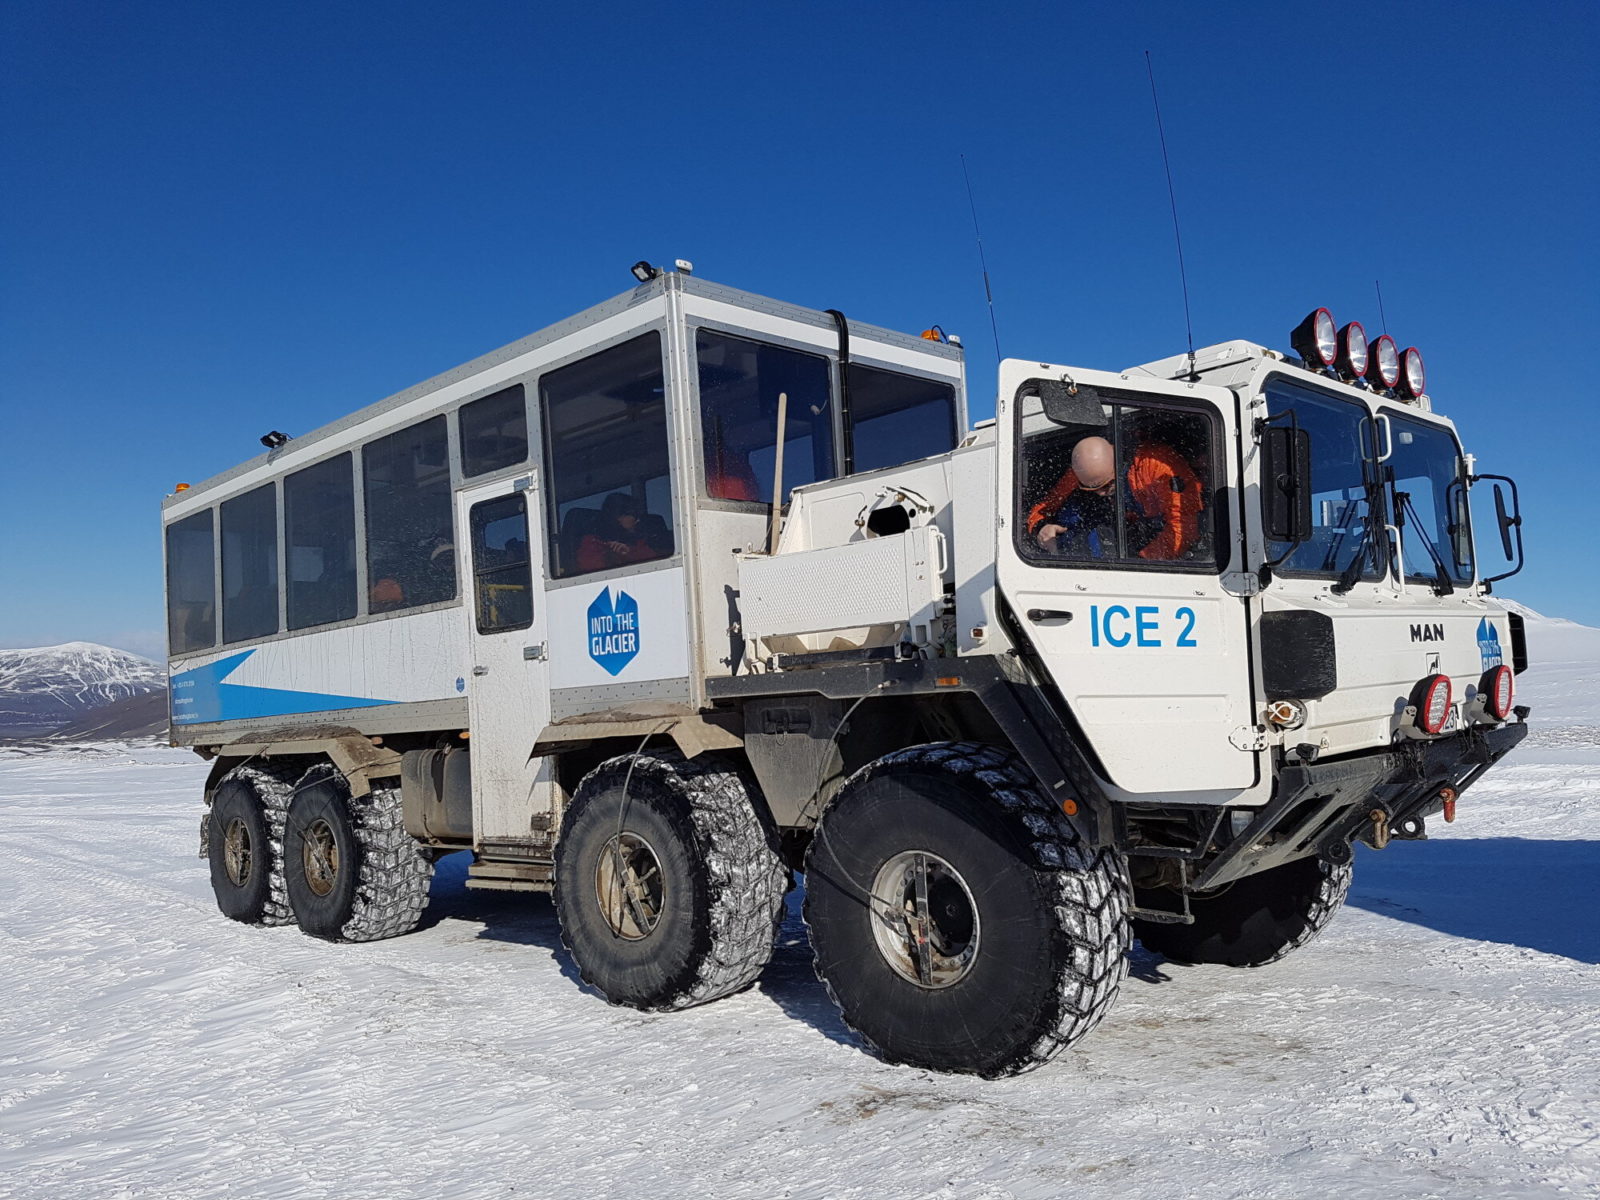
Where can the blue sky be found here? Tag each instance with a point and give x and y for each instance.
(223, 218)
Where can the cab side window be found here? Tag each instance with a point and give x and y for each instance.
(606, 451)
(1114, 483)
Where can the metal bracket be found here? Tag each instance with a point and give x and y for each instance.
(534, 653)
(1249, 737)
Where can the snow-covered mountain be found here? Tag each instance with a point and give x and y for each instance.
(48, 686)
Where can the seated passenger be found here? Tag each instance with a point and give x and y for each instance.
(618, 540)
(729, 475)
(1164, 499)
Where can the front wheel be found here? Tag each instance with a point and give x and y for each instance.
(955, 916)
(1256, 920)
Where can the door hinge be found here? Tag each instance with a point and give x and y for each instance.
(1249, 737)
(533, 653)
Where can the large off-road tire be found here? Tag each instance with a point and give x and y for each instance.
(1026, 935)
(244, 843)
(1255, 920)
(669, 886)
(354, 873)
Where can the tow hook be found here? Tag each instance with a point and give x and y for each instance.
(1379, 838)
(1448, 795)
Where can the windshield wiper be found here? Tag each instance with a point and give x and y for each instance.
(1352, 572)
(1441, 576)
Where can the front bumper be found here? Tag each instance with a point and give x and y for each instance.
(1321, 808)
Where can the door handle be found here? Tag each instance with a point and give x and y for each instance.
(480, 670)
(1048, 614)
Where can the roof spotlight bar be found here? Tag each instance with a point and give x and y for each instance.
(1347, 353)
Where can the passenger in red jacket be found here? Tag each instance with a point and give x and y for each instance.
(619, 540)
(1164, 500)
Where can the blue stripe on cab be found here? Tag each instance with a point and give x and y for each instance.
(200, 695)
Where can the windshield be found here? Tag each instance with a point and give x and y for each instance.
(1428, 481)
(1342, 533)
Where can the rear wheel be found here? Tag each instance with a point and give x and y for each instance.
(244, 836)
(669, 887)
(354, 873)
(1256, 920)
(956, 918)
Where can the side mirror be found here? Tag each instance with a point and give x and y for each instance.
(1286, 483)
(1509, 523)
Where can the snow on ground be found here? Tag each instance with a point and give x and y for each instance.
(1438, 1041)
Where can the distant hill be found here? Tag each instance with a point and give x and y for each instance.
(46, 688)
(129, 719)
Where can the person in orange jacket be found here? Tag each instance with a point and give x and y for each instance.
(1164, 495)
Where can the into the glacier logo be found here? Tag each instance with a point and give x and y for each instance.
(613, 630)
(1489, 644)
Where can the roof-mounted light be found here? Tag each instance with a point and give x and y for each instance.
(1383, 363)
(1352, 360)
(1314, 339)
(1412, 375)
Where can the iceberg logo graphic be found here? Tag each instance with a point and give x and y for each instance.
(613, 630)
(1489, 644)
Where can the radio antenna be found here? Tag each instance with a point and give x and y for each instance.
(1172, 196)
(1383, 319)
(982, 262)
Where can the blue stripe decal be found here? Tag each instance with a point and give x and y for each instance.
(200, 695)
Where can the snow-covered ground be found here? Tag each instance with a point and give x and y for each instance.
(1441, 1039)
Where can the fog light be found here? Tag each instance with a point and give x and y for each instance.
(1498, 691)
(1433, 703)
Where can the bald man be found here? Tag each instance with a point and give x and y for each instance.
(1078, 517)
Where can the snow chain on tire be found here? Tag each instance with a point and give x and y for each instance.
(745, 878)
(1091, 888)
(273, 786)
(395, 870)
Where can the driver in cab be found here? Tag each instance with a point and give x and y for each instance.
(1078, 517)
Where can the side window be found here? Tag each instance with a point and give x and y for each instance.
(502, 577)
(740, 381)
(898, 419)
(610, 494)
(191, 585)
(1116, 484)
(410, 537)
(494, 432)
(250, 565)
(319, 517)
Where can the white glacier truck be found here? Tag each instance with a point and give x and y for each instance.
(1142, 656)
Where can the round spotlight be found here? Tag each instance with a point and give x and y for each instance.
(1433, 703)
(1383, 363)
(1314, 339)
(1498, 691)
(1352, 361)
(1412, 375)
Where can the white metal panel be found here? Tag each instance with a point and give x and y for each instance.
(871, 582)
(646, 636)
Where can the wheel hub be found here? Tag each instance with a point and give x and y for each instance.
(629, 886)
(321, 857)
(236, 852)
(924, 920)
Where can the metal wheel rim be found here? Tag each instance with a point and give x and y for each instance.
(236, 852)
(629, 886)
(320, 857)
(924, 920)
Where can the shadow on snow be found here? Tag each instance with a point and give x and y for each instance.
(1515, 891)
